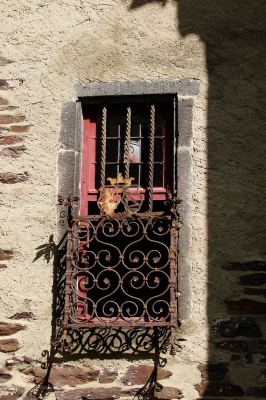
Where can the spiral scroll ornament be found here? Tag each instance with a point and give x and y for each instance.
(121, 268)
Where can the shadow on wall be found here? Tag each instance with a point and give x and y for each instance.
(98, 343)
(235, 35)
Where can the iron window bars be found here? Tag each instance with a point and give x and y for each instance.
(121, 266)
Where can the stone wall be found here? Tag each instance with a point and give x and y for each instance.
(49, 46)
(237, 338)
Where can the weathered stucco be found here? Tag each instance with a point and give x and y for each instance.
(47, 47)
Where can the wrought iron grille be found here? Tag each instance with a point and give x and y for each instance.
(121, 264)
(132, 143)
(121, 272)
(121, 267)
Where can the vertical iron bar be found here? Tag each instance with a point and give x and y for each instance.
(69, 278)
(118, 148)
(173, 272)
(173, 284)
(75, 245)
(151, 156)
(174, 148)
(139, 167)
(127, 142)
(103, 144)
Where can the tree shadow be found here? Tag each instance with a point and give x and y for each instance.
(56, 252)
(47, 250)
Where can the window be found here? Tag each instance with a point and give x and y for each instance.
(134, 139)
(122, 246)
(121, 267)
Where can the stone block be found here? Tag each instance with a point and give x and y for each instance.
(2, 100)
(4, 61)
(189, 87)
(213, 372)
(255, 292)
(184, 87)
(77, 176)
(19, 363)
(10, 83)
(6, 254)
(10, 178)
(257, 346)
(9, 328)
(256, 359)
(14, 151)
(234, 346)
(246, 266)
(31, 396)
(256, 279)
(19, 128)
(10, 119)
(185, 118)
(66, 168)
(101, 393)
(9, 345)
(8, 140)
(23, 315)
(140, 374)
(256, 392)
(262, 377)
(7, 108)
(78, 128)
(11, 392)
(237, 326)
(3, 84)
(245, 306)
(168, 393)
(235, 357)
(108, 376)
(216, 389)
(66, 375)
(4, 375)
(68, 124)
(185, 178)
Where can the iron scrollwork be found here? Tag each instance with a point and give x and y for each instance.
(121, 266)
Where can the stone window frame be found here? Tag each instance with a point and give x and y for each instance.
(69, 158)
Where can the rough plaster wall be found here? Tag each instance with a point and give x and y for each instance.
(53, 45)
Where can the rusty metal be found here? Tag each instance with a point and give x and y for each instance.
(151, 156)
(119, 191)
(121, 270)
(174, 146)
(127, 142)
(103, 144)
(120, 180)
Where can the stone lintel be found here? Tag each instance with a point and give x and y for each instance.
(183, 87)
